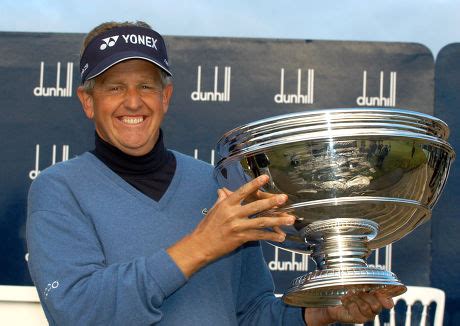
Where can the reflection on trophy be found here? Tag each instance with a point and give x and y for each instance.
(357, 180)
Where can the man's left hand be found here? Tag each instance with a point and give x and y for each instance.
(355, 308)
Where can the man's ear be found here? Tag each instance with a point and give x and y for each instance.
(167, 94)
(86, 101)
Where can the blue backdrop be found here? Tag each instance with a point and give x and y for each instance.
(221, 83)
(445, 264)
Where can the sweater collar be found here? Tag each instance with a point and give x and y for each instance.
(122, 163)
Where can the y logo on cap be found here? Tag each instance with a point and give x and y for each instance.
(109, 41)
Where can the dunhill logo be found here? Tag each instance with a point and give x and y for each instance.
(390, 101)
(56, 91)
(36, 171)
(215, 95)
(298, 97)
(289, 265)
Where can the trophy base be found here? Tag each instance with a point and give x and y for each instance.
(326, 287)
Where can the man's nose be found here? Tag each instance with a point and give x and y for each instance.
(133, 99)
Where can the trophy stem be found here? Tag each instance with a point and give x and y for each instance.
(340, 248)
(339, 243)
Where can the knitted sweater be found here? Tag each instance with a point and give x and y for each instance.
(97, 253)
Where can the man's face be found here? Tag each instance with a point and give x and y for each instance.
(127, 105)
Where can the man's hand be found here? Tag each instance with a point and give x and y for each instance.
(227, 226)
(356, 308)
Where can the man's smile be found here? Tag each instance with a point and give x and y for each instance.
(130, 120)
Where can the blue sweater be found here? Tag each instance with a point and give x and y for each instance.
(97, 253)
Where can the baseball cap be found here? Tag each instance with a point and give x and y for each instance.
(119, 44)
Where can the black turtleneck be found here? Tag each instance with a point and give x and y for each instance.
(150, 173)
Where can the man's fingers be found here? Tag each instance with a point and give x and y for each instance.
(226, 191)
(263, 194)
(262, 205)
(259, 195)
(260, 235)
(278, 230)
(351, 312)
(259, 223)
(373, 301)
(259, 201)
(221, 195)
(247, 189)
(269, 222)
(364, 307)
(386, 301)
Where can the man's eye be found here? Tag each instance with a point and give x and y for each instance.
(112, 89)
(150, 87)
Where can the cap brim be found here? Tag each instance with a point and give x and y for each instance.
(120, 57)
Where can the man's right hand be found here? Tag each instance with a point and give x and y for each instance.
(228, 225)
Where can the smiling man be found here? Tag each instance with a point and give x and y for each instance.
(116, 235)
(127, 104)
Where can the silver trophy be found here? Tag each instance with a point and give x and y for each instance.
(357, 180)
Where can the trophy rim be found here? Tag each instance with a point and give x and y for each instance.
(332, 125)
(376, 114)
(336, 136)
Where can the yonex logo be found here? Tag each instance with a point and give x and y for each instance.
(108, 42)
(130, 38)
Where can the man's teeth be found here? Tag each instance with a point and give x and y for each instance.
(131, 120)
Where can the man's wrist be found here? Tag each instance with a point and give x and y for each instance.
(188, 255)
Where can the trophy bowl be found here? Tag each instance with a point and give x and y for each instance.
(357, 180)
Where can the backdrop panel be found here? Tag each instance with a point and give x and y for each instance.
(43, 124)
(220, 83)
(446, 224)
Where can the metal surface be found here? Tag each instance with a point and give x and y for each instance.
(385, 168)
(326, 287)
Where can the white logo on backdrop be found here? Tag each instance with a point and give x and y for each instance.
(388, 257)
(36, 171)
(299, 97)
(292, 265)
(380, 100)
(215, 95)
(56, 91)
(212, 157)
(108, 42)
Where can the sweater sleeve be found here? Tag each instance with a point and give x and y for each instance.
(257, 304)
(67, 264)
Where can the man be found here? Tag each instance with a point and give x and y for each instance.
(117, 236)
